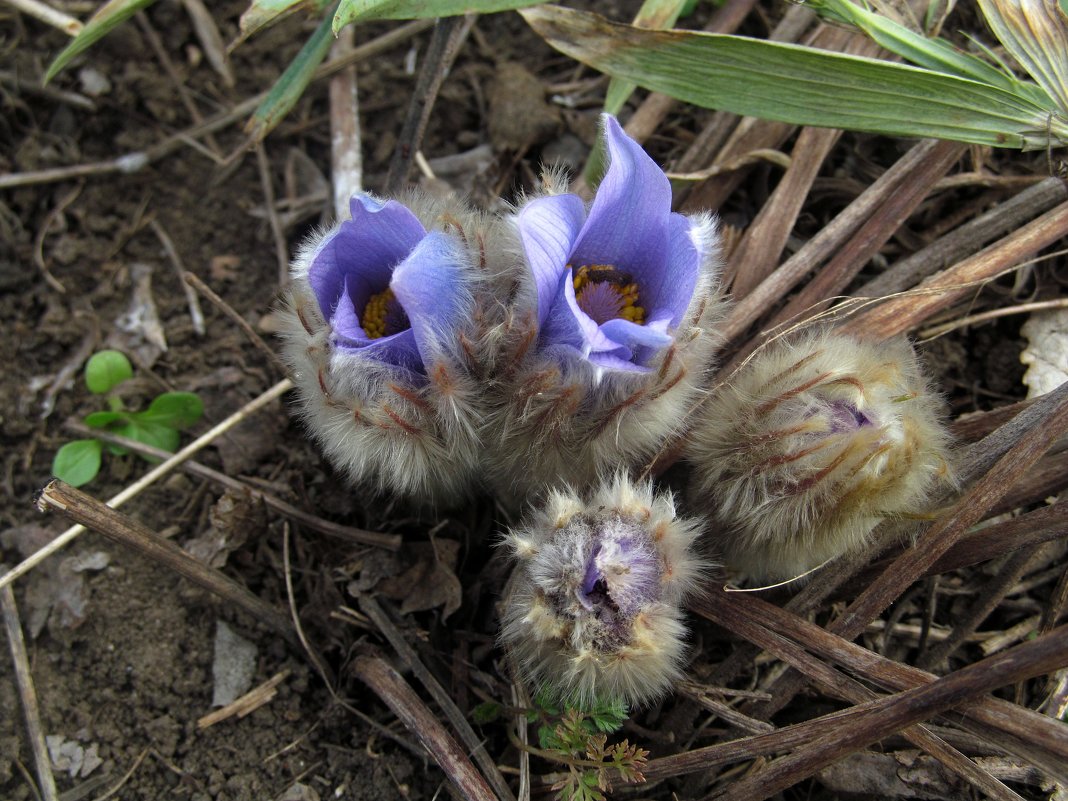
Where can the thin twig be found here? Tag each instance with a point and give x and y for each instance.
(281, 250)
(193, 280)
(449, 34)
(139, 159)
(195, 313)
(28, 695)
(388, 685)
(992, 314)
(151, 477)
(50, 16)
(349, 534)
(120, 528)
(370, 607)
(317, 661)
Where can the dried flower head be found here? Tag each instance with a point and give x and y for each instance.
(382, 316)
(799, 455)
(594, 608)
(613, 325)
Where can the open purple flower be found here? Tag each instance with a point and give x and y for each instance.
(614, 282)
(390, 290)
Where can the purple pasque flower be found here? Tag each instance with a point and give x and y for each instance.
(613, 281)
(391, 290)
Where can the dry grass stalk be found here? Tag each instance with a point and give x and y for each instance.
(350, 534)
(867, 723)
(1031, 736)
(246, 704)
(27, 695)
(381, 618)
(841, 686)
(388, 685)
(117, 527)
(152, 476)
(900, 314)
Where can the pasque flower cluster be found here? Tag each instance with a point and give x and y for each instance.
(546, 354)
(435, 348)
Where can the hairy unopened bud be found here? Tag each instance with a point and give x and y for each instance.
(594, 608)
(808, 447)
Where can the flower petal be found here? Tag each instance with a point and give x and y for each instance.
(548, 227)
(667, 294)
(363, 251)
(431, 287)
(627, 224)
(567, 324)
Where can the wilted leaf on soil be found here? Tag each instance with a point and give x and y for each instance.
(263, 13)
(428, 583)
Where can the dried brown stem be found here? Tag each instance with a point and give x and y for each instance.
(933, 158)
(346, 154)
(117, 527)
(388, 685)
(867, 723)
(1018, 730)
(716, 607)
(193, 280)
(967, 239)
(27, 694)
(757, 255)
(900, 314)
(355, 536)
(382, 620)
(449, 35)
(832, 237)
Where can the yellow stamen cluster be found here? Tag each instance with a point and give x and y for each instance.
(591, 274)
(374, 314)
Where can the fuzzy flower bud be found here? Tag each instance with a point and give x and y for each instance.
(382, 316)
(808, 447)
(594, 607)
(612, 326)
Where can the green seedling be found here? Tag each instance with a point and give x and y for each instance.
(78, 462)
(578, 738)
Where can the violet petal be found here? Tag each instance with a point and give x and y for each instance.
(627, 224)
(548, 227)
(428, 284)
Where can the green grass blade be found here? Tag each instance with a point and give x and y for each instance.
(262, 14)
(933, 54)
(292, 83)
(361, 10)
(1036, 34)
(108, 17)
(800, 85)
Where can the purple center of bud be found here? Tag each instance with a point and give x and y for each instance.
(845, 417)
(622, 574)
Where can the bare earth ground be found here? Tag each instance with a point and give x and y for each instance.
(122, 652)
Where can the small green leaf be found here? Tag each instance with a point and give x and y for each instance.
(105, 419)
(292, 83)
(173, 409)
(262, 14)
(77, 462)
(362, 10)
(108, 17)
(106, 370)
(486, 712)
(154, 434)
